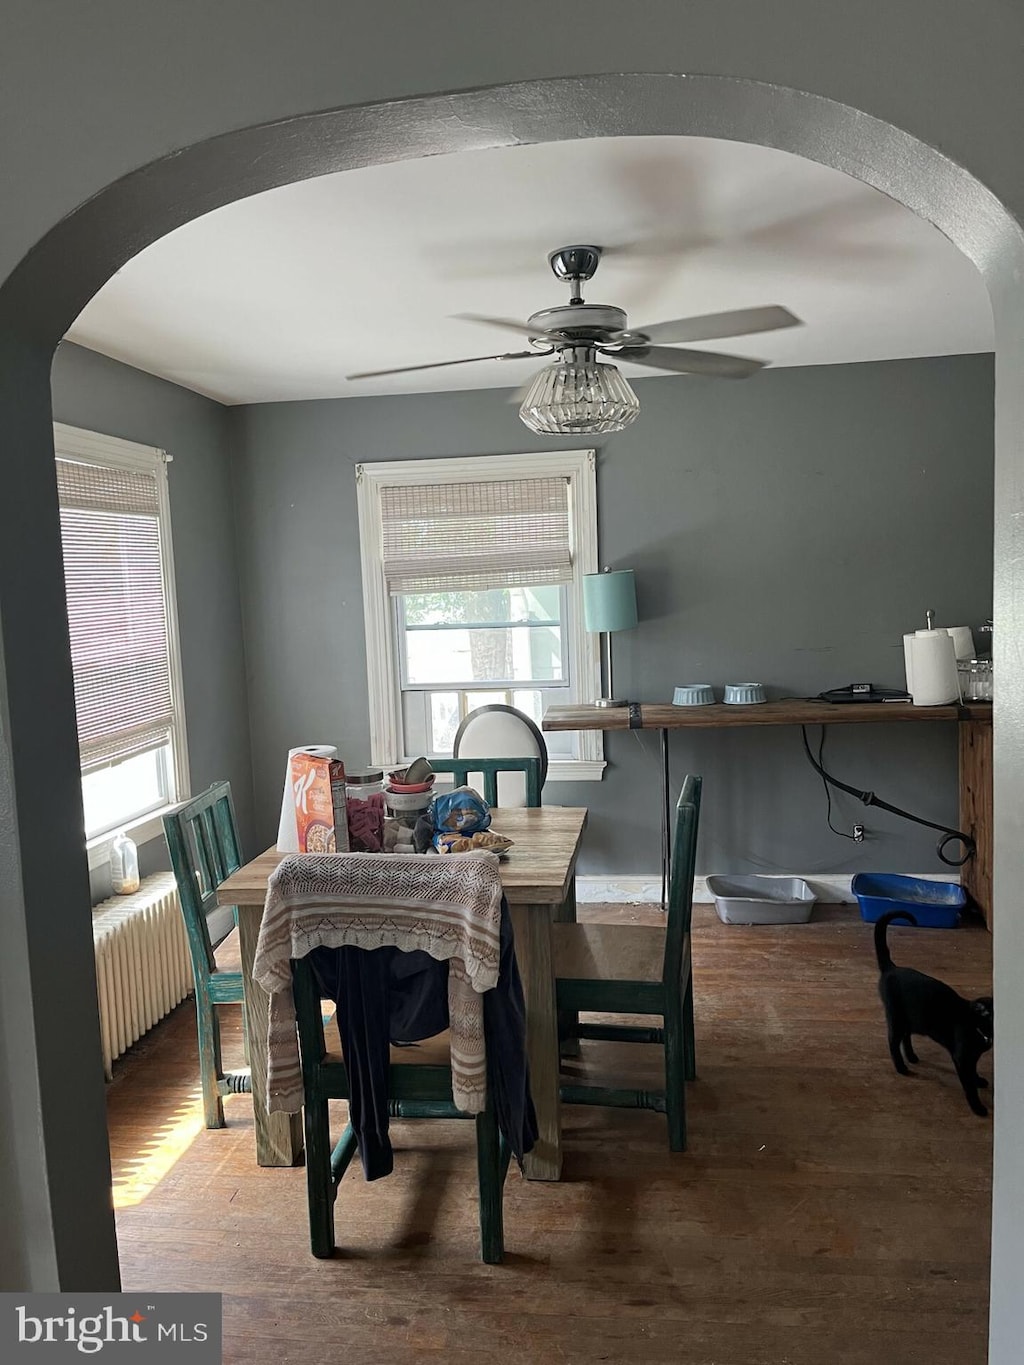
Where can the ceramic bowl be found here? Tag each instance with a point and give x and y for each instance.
(406, 801)
(744, 694)
(693, 694)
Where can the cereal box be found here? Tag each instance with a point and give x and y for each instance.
(314, 804)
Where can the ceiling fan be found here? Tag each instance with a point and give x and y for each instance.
(581, 394)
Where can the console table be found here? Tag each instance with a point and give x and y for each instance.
(973, 720)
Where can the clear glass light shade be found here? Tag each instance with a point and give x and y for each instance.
(573, 397)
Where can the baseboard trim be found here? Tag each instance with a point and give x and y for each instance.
(647, 890)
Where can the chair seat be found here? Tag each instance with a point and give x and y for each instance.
(608, 952)
(228, 953)
(434, 1051)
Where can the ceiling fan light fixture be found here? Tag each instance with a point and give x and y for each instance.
(579, 396)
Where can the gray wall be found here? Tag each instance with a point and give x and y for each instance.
(787, 529)
(102, 395)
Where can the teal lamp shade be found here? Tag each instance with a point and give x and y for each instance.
(609, 604)
(609, 600)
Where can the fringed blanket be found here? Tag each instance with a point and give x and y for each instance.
(449, 907)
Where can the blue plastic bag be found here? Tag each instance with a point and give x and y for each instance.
(458, 812)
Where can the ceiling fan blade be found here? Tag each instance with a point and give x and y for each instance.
(689, 362)
(740, 322)
(440, 364)
(512, 326)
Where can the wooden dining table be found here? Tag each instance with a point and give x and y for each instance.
(538, 876)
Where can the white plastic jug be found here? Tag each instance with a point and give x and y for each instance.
(124, 865)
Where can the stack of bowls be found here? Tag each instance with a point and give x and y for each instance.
(409, 792)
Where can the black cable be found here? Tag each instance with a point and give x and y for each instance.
(828, 790)
(870, 799)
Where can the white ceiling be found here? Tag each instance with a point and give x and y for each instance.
(281, 295)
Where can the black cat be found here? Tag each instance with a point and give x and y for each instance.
(915, 1003)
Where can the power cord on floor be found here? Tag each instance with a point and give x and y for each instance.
(870, 799)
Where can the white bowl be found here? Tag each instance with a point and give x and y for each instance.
(693, 694)
(744, 694)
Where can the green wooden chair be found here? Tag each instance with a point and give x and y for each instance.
(490, 768)
(202, 840)
(420, 1086)
(638, 969)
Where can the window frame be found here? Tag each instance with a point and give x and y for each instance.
(579, 468)
(565, 624)
(112, 452)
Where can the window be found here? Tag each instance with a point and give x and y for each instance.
(118, 572)
(472, 582)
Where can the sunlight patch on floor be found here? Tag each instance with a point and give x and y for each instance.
(136, 1176)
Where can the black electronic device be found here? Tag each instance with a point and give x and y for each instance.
(862, 692)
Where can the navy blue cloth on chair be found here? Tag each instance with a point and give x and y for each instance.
(385, 996)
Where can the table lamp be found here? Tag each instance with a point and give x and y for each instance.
(609, 604)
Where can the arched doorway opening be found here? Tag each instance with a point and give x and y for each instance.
(66, 268)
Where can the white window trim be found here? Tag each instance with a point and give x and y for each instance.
(579, 467)
(112, 452)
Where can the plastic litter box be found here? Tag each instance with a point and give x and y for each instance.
(935, 905)
(757, 899)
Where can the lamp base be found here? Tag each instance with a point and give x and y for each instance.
(609, 701)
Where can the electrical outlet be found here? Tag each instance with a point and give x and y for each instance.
(858, 834)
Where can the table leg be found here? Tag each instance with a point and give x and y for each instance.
(532, 925)
(666, 812)
(976, 811)
(568, 1019)
(278, 1136)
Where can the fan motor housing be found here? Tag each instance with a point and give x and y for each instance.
(581, 321)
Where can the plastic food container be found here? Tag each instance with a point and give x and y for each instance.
(762, 900)
(935, 905)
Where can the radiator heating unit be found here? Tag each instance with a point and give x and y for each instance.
(143, 967)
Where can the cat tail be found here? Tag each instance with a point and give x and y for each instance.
(881, 945)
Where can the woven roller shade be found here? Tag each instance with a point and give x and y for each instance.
(113, 570)
(461, 536)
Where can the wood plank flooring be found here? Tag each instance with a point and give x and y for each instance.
(828, 1210)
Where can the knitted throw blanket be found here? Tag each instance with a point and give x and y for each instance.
(450, 907)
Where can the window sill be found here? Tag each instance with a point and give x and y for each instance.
(576, 769)
(140, 831)
(559, 770)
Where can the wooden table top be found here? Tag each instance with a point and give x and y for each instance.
(665, 716)
(537, 871)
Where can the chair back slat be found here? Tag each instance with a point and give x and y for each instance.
(202, 841)
(489, 768)
(680, 891)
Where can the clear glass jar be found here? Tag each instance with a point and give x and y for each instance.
(975, 679)
(362, 783)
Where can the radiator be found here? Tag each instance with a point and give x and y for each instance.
(143, 967)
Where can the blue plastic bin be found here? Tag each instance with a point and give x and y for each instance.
(935, 905)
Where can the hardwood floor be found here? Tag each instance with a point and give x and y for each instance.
(827, 1209)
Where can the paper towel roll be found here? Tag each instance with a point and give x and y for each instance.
(908, 661)
(287, 831)
(908, 652)
(963, 641)
(931, 668)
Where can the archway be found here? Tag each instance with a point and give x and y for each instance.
(44, 873)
